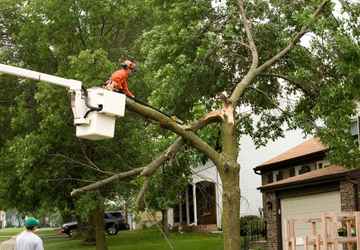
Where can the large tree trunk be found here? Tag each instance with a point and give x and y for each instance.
(87, 229)
(229, 173)
(100, 226)
(231, 208)
(164, 221)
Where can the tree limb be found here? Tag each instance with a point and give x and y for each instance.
(250, 38)
(101, 183)
(97, 169)
(69, 179)
(149, 169)
(94, 166)
(140, 202)
(166, 155)
(296, 38)
(170, 124)
(296, 83)
(250, 76)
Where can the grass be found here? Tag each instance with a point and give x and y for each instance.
(8, 232)
(132, 240)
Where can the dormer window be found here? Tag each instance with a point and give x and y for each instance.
(304, 169)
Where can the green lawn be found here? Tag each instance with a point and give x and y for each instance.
(132, 240)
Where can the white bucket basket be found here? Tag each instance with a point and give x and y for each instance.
(101, 125)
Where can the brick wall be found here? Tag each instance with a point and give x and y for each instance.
(271, 207)
(347, 194)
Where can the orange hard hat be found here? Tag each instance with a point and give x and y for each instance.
(129, 64)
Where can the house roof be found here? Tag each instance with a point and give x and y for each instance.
(308, 147)
(328, 172)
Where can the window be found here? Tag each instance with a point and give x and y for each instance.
(319, 165)
(292, 172)
(279, 176)
(354, 130)
(270, 178)
(304, 169)
(269, 206)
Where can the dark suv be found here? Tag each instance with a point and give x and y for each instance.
(114, 222)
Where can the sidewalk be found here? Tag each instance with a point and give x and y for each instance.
(8, 244)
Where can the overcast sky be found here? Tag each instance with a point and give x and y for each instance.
(251, 157)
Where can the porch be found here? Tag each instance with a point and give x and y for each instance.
(199, 209)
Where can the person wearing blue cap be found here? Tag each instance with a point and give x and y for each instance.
(28, 240)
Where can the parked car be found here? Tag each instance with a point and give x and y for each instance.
(114, 222)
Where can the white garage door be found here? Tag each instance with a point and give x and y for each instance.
(309, 206)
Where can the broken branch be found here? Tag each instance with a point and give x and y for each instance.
(150, 169)
(171, 125)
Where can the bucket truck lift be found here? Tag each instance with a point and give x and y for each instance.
(95, 109)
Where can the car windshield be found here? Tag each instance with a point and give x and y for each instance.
(115, 214)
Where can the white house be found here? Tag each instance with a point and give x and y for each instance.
(202, 201)
(2, 219)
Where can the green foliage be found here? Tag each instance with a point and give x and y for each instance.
(252, 225)
(169, 183)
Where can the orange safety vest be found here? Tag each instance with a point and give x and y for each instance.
(120, 81)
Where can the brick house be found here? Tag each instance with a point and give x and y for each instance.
(300, 183)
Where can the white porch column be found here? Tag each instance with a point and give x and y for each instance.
(187, 206)
(170, 216)
(180, 212)
(195, 206)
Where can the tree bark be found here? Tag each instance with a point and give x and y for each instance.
(164, 221)
(87, 229)
(229, 174)
(100, 225)
(231, 208)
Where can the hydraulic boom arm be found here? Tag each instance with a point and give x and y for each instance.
(16, 71)
(94, 109)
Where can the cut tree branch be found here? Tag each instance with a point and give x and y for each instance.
(166, 155)
(150, 169)
(170, 124)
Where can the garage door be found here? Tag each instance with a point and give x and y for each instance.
(309, 206)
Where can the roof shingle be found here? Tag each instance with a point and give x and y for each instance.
(310, 146)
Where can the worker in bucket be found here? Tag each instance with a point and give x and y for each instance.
(28, 240)
(119, 79)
